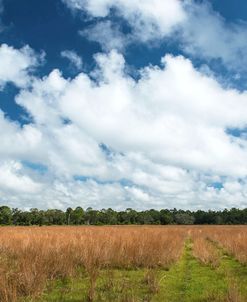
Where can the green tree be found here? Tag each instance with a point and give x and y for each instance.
(78, 216)
(69, 211)
(184, 218)
(5, 215)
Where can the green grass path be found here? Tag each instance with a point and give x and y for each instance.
(234, 272)
(186, 281)
(189, 281)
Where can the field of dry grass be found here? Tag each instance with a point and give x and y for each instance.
(33, 257)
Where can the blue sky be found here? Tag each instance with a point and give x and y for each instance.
(123, 104)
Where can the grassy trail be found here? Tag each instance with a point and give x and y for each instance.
(234, 272)
(188, 280)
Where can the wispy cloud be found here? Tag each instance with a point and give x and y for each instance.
(108, 35)
(195, 27)
(73, 57)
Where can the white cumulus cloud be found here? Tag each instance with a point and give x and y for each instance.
(164, 139)
(15, 65)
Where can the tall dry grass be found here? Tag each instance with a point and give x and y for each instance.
(204, 250)
(231, 238)
(30, 256)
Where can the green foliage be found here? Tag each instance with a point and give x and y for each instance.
(79, 216)
(184, 218)
(5, 215)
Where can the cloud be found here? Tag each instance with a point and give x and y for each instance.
(18, 142)
(72, 56)
(171, 113)
(108, 35)
(14, 182)
(15, 65)
(206, 34)
(146, 18)
(169, 11)
(165, 139)
(194, 26)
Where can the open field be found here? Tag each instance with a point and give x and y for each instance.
(125, 264)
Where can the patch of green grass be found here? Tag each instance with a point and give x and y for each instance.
(189, 281)
(111, 285)
(234, 272)
(186, 281)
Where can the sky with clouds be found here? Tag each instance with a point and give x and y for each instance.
(123, 103)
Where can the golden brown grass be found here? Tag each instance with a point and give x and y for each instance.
(205, 251)
(29, 256)
(32, 256)
(233, 240)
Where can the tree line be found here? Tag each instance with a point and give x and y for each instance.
(79, 216)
